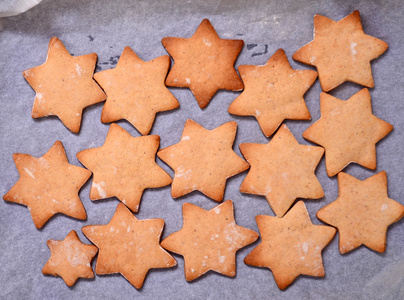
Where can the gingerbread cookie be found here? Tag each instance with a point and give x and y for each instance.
(362, 212)
(129, 246)
(136, 91)
(341, 51)
(204, 63)
(209, 240)
(64, 85)
(290, 246)
(70, 259)
(273, 92)
(348, 131)
(203, 160)
(282, 171)
(48, 185)
(124, 167)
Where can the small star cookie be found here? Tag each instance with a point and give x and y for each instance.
(136, 91)
(273, 92)
(209, 240)
(70, 259)
(64, 85)
(203, 160)
(348, 131)
(362, 212)
(282, 170)
(48, 185)
(341, 51)
(129, 246)
(290, 246)
(124, 167)
(204, 63)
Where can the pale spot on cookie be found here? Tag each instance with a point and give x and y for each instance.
(353, 50)
(207, 42)
(100, 188)
(305, 247)
(29, 172)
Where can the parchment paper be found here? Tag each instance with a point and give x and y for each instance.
(106, 27)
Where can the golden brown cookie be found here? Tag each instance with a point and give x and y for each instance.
(64, 85)
(48, 185)
(362, 212)
(341, 51)
(290, 246)
(129, 246)
(348, 131)
(282, 170)
(204, 63)
(273, 92)
(136, 91)
(209, 240)
(124, 167)
(203, 160)
(70, 259)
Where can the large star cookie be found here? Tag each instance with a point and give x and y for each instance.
(341, 51)
(209, 240)
(362, 212)
(273, 92)
(129, 246)
(203, 160)
(70, 259)
(64, 85)
(124, 167)
(136, 91)
(48, 185)
(204, 63)
(348, 131)
(290, 246)
(282, 171)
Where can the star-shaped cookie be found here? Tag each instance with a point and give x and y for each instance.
(204, 63)
(129, 246)
(209, 240)
(203, 160)
(348, 131)
(48, 185)
(273, 92)
(341, 51)
(362, 212)
(136, 91)
(290, 246)
(282, 170)
(64, 85)
(124, 167)
(70, 259)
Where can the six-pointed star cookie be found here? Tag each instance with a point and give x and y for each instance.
(282, 171)
(362, 212)
(129, 246)
(48, 185)
(209, 240)
(348, 131)
(341, 51)
(204, 63)
(70, 259)
(273, 92)
(290, 246)
(203, 160)
(135, 90)
(64, 85)
(124, 167)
